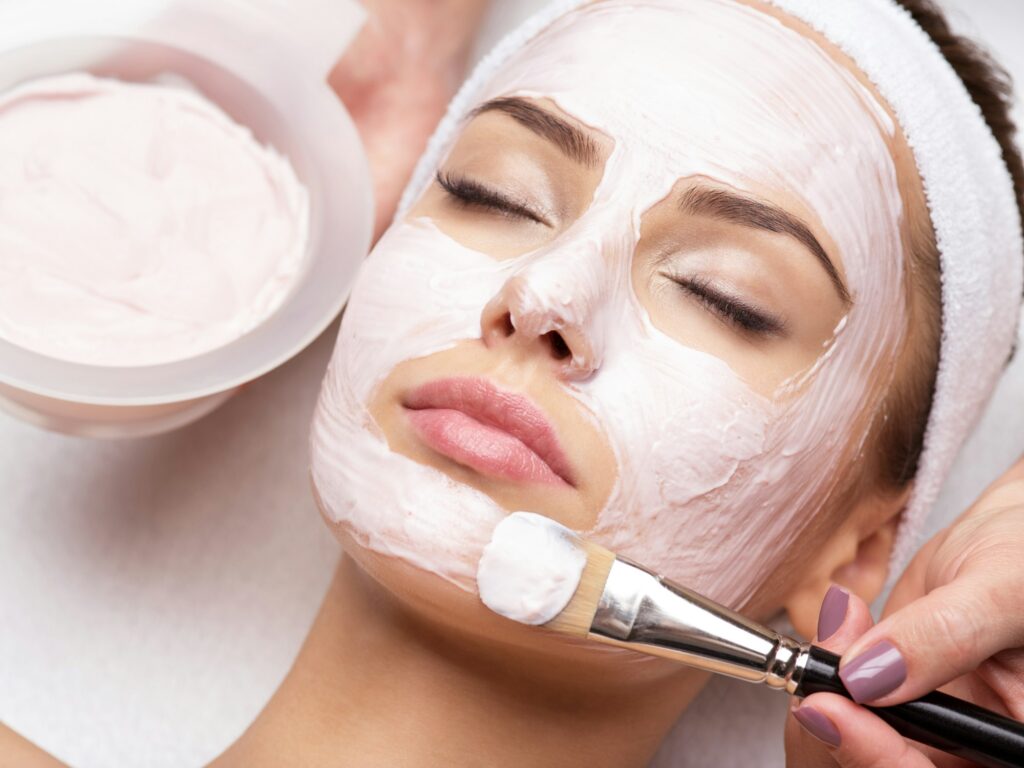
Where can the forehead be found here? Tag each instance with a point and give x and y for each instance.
(719, 59)
(701, 63)
(722, 89)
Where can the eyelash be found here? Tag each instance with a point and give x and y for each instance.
(737, 312)
(472, 194)
(732, 310)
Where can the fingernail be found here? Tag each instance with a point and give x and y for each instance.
(833, 612)
(819, 726)
(878, 671)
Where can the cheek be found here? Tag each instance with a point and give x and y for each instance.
(418, 292)
(717, 483)
(682, 420)
(687, 434)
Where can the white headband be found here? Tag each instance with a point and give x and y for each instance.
(967, 185)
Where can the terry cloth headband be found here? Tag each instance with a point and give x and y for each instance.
(967, 185)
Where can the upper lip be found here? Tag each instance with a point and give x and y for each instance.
(508, 411)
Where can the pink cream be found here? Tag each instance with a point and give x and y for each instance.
(139, 224)
(715, 481)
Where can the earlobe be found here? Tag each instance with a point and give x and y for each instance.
(804, 601)
(856, 558)
(865, 575)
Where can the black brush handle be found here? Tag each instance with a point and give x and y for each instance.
(936, 719)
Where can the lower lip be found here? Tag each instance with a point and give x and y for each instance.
(486, 449)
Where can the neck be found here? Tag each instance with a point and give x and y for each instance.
(375, 686)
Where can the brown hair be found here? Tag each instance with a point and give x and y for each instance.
(908, 404)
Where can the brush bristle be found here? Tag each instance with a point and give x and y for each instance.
(577, 616)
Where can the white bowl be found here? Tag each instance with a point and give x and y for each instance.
(264, 64)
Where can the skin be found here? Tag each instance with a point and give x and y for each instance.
(18, 752)
(957, 617)
(383, 678)
(400, 664)
(783, 278)
(395, 80)
(523, 361)
(764, 266)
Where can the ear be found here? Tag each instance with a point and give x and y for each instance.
(856, 557)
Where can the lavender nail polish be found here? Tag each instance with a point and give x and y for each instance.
(833, 612)
(819, 726)
(878, 671)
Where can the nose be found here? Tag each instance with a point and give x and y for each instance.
(547, 316)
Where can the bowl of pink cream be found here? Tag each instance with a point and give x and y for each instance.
(184, 203)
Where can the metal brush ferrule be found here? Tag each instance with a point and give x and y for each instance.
(639, 608)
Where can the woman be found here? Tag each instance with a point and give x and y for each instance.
(686, 250)
(671, 280)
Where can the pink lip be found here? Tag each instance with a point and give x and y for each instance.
(496, 433)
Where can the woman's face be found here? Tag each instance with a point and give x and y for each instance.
(653, 292)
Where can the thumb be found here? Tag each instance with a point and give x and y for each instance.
(936, 638)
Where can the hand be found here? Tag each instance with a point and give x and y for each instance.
(18, 752)
(955, 620)
(396, 79)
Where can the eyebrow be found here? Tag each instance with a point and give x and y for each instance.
(729, 206)
(572, 141)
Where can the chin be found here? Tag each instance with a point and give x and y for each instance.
(454, 620)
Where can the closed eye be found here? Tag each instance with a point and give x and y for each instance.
(472, 194)
(731, 309)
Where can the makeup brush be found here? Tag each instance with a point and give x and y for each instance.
(536, 571)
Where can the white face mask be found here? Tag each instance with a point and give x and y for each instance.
(714, 480)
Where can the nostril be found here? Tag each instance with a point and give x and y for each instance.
(558, 346)
(507, 326)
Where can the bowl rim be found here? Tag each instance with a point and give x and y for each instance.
(337, 244)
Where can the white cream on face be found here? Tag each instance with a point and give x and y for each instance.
(715, 482)
(530, 569)
(139, 224)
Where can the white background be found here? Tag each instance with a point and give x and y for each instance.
(153, 593)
